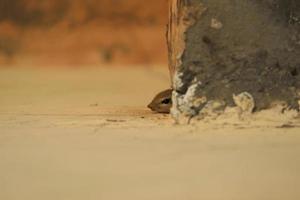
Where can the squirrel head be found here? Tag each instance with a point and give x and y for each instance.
(162, 102)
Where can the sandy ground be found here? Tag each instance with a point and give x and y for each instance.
(86, 134)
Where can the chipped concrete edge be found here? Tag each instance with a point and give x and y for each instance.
(194, 109)
(182, 16)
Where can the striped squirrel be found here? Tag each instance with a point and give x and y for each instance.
(162, 102)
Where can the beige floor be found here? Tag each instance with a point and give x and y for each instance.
(85, 134)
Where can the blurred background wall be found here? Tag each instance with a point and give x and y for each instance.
(74, 33)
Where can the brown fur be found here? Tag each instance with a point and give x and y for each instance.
(162, 102)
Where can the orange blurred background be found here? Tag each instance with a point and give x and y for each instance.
(50, 33)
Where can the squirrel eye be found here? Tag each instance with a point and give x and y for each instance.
(166, 101)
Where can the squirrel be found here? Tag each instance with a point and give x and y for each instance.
(162, 102)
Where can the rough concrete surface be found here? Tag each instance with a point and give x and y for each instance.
(87, 134)
(242, 46)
